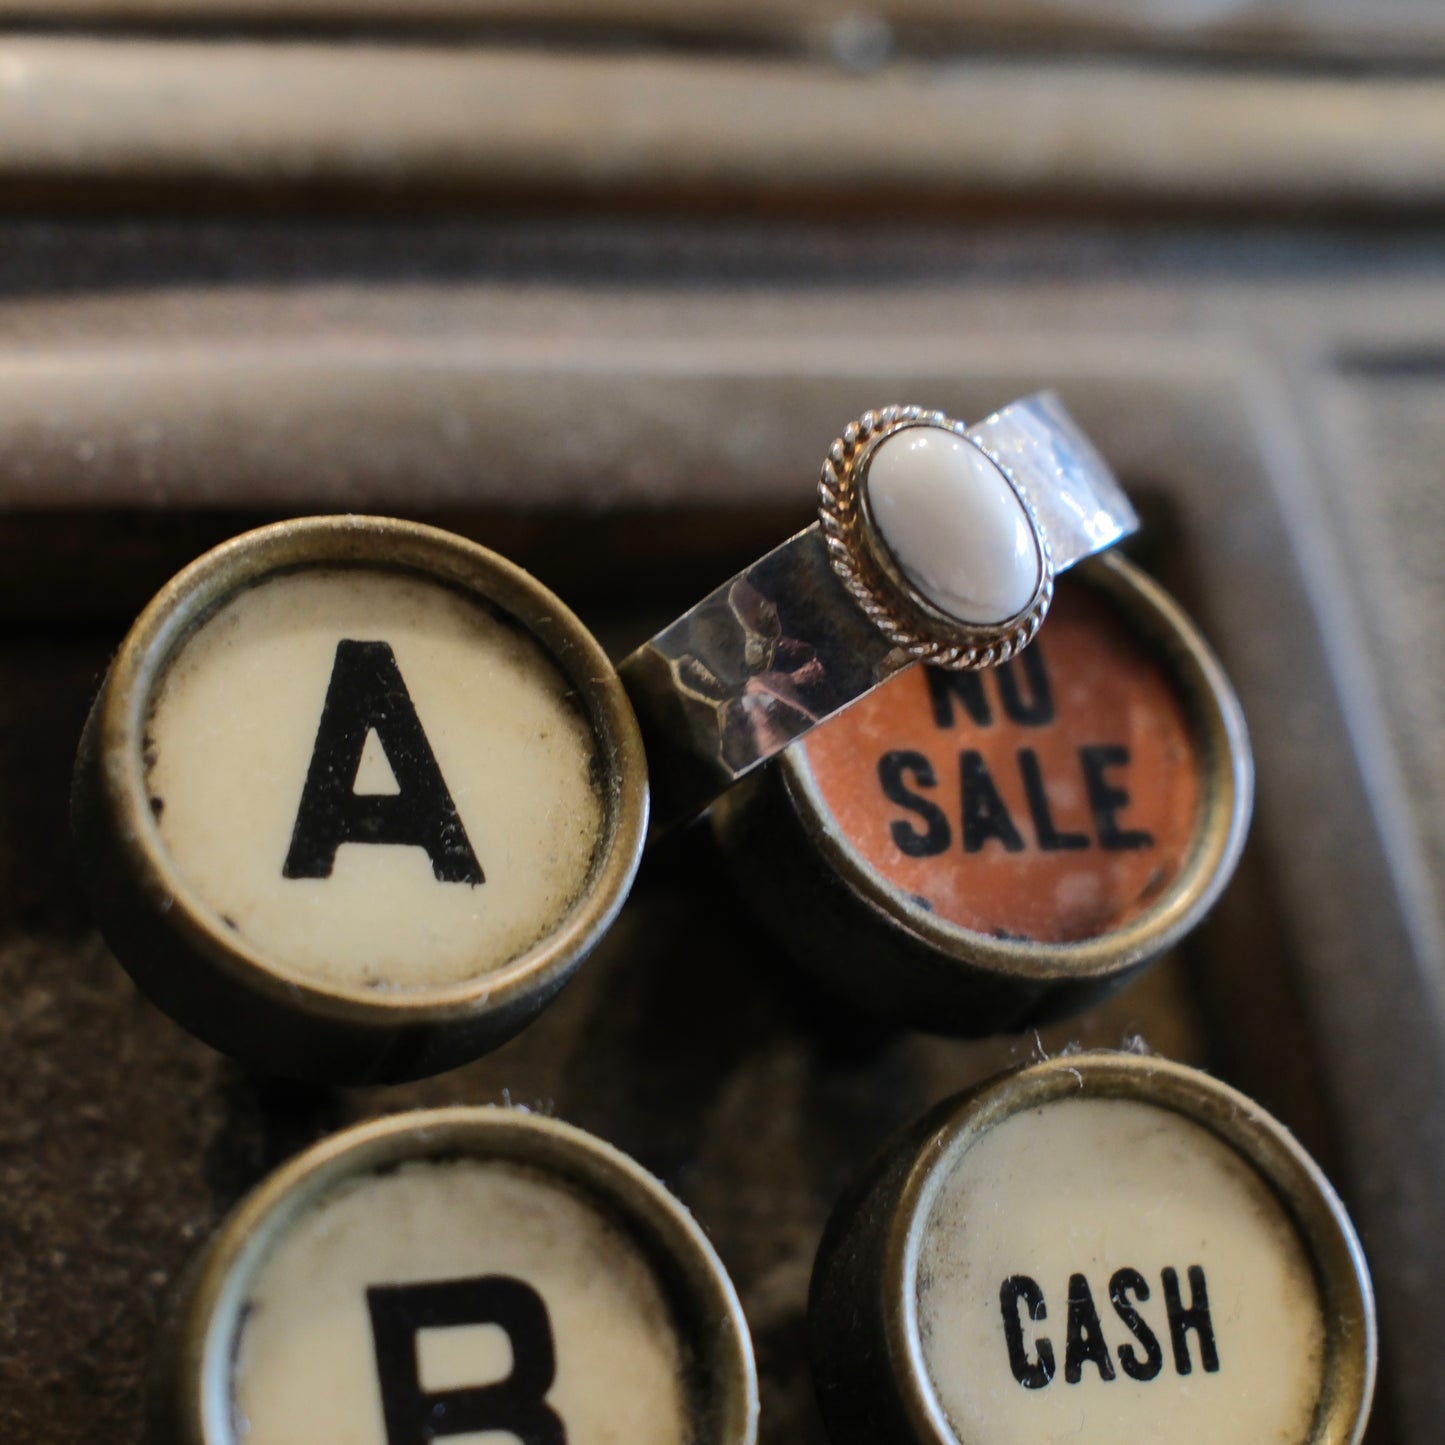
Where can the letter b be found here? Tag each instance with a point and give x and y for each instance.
(517, 1405)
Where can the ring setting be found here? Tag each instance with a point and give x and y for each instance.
(950, 562)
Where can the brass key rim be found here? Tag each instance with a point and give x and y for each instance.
(872, 1247)
(191, 1401)
(156, 922)
(1226, 775)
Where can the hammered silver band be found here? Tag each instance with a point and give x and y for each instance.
(799, 635)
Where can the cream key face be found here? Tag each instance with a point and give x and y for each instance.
(463, 1296)
(1105, 1269)
(480, 1275)
(1097, 1248)
(372, 779)
(356, 798)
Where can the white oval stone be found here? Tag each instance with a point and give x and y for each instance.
(954, 525)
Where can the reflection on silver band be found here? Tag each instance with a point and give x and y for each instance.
(1080, 506)
(783, 645)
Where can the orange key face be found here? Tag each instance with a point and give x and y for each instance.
(1052, 799)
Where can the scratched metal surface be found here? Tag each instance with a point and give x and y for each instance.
(1267, 396)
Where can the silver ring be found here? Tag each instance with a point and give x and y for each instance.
(828, 615)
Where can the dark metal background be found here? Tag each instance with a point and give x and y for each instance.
(621, 366)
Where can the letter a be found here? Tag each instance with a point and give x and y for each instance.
(1086, 1335)
(366, 695)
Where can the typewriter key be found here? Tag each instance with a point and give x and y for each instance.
(1099, 1248)
(356, 797)
(478, 1273)
(971, 853)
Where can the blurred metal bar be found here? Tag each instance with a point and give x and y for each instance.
(350, 395)
(82, 118)
(1352, 29)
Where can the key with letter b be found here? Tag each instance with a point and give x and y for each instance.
(458, 1272)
